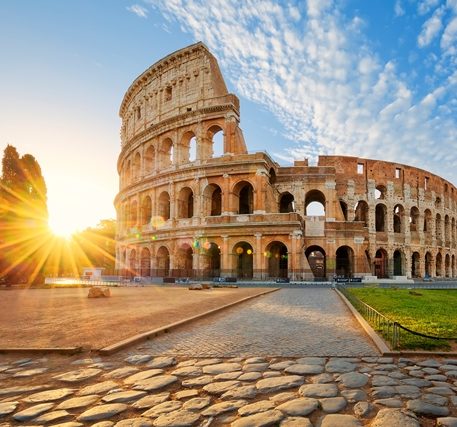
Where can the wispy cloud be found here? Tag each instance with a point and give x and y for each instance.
(398, 9)
(316, 70)
(138, 10)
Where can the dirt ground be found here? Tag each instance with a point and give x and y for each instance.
(67, 318)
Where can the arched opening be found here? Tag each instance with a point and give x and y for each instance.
(212, 200)
(188, 148)
(428, 264)
(317, 261)
(132, 263)
(216, 136)
(453, 231)
(447, 231)
(315, 203)
(380, 192)
(127, 173)
(344, 261)
(245, 194)
(137, 167)
(184, 261)
(146, 210)
(439, 265)
(415, 265)
(453, 265)
(149, 160)
(133, 214)
(164, 206)
(145, 262)
(361, 212)
(380, 264)
(398, 218)
(447, 265)
(381, 211)
(193, 149)
(344, 209)
(185, 203)
(438, 203)
(276, 254)
(244, 260)
(427, 221)
(398, 263)
(286, 203)
(166, 153)
(272, 178)
(414, 219)
(163, 262)
(211, 259)
(439, 230)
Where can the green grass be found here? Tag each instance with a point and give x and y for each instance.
(431, 312)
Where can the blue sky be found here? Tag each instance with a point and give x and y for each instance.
(373, 78)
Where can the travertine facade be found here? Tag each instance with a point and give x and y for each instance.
(186, 209)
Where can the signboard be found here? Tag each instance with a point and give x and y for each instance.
(348, 280)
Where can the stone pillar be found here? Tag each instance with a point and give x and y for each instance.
(226, 266)
(407, 269)
(227, 196)
(258, 257)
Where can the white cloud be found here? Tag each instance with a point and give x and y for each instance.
(425, 6)
(324, 82)
(138, 10)
(449, 37)
(431, 28)
(398, 9)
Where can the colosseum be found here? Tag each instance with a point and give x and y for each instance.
(193, 202)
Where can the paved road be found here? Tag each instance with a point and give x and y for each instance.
(288, 323)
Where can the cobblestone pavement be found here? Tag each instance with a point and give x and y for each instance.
(289, 322)
(142, 390)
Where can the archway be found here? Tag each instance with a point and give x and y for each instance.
(243, 260)
(245, 194)
(438, 230)
(133, 214)
(381, 217)
(428, 264)
(166, 153)
(414, 219)
(145, 262)
(149, 160)
(398, 263)
(184, 261)
(132, 263)
(137, 166)
(453, 265)
(317, 261)
(398, 218)
(380, 264)
(380, 192)
(185, 203)
(188, 148)
(286, 203)
(146, 209)
(427, 221)
(276, 253)
(344, 261)
(447, 265)
(216, 136)
(315, 203)
(439, 265)
(164, 205)
(361, 212)
(415, 265)
(163, 262)
(212, 200)
(211, 259)
(344, 209)
(128, 173)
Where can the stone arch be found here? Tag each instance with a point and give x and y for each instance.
(210, 256)
(212, 200)
(427, 221)
(146, 211)
(163, 261)
(447, 265)
(344, 209)
(438, 203)
(277, 255)
(128, 173)
(315, 203)
(414, 219)
(185, 203)
(137, 166)
(447, 230)
(381, 264)
(317, 261)
(215, 134)
(166, 153)
(399, 213)
(399, 263)
(244, 193)
(453, 231)
(164, 205)
(380, 192)
(381, 217)
(133, 213)
(272, 176)
(243, 255)
(361, 212)
(438, 229)
(344, 261)
(439, 264)
(184, 260)
(415, 265)
(286, 202)
(149, 160)
(145, 263)
(428, 264)
(132, 263)
(453, 265)
(188, 147)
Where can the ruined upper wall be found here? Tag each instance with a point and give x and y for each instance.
(182, 82)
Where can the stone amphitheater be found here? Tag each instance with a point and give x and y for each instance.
(193, 202)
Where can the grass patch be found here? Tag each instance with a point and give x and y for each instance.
(431, 312)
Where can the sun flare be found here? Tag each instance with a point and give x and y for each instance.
(62, 228)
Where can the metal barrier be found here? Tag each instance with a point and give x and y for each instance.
(393, 332)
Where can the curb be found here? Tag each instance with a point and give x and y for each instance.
(377, 341)
(59, 350)
(164, 329)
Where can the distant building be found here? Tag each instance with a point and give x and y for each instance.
(93, 273)
(186, 209)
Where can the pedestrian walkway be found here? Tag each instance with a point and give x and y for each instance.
(287, 323)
